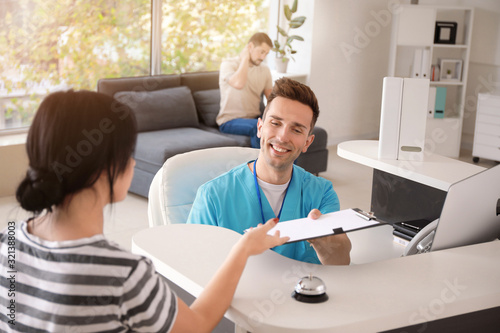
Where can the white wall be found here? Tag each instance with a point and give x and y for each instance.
(349, 55)
(484, 66)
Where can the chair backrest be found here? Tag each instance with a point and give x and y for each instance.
(174, 186)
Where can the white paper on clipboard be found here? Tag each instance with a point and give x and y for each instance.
(328, 224)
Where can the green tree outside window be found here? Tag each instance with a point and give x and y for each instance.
(55, 44)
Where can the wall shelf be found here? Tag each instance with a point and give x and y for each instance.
(446, 83)
(452, 46)
(412, 40)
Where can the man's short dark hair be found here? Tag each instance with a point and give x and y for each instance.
(258, 38)
(296, 91)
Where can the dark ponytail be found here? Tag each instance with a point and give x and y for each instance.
(39, 191)
(75, 136)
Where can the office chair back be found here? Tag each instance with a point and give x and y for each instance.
(174, 186)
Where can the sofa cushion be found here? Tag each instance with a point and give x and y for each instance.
(242, 140)
(154, 148)
(208, 105)
(161, 109)
(320, 139)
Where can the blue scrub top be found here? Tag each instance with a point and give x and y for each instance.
(231, 201)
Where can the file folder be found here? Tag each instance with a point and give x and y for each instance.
(440, 102)
(425, 69)
(403, 118)
(417, 64)
(413, 119)
(432, 102)
(390, 119)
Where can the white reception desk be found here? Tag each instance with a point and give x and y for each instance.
(407, 190)
(370, 297)
(433, 170)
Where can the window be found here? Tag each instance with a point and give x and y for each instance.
(197, 35)
(49, 45)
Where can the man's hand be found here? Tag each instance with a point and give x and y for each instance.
(331, 250)
(239, 78)
(245, 54)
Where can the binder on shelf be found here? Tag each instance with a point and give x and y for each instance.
(421, 68)
(440, 104)
(413, 119)
(417, 63)
(403, 118)
(434, 76)
(390, 118)
(426, 60)
(432, 102)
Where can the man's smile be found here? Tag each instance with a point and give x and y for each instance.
(278, 148)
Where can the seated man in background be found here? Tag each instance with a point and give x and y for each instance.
(242, 81)
(272, 186)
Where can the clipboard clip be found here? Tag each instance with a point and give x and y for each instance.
(364, 215)
(338, 231)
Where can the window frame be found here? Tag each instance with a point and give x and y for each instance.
(155, 61)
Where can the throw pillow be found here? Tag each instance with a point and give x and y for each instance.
(161, 109)
(208, 105)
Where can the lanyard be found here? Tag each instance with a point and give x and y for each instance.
(259, 196)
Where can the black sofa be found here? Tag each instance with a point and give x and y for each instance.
(176, 114)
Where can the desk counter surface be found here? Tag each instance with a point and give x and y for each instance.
(433, 170)
(367, 297)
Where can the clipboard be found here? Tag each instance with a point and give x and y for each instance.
(339, 222)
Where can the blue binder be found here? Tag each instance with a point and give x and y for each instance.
(440, 102)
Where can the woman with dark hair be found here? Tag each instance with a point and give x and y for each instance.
(60, 273)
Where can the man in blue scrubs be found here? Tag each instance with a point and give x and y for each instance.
(272, 186)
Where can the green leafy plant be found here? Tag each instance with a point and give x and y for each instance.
(285, 50)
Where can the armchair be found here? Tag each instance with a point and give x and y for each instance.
(174, 186)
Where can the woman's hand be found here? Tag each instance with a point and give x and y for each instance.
(256, 240)
(207, 310)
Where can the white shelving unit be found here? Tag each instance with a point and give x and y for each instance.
(413, 29)
(487, 133)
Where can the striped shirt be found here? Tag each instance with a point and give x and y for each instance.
(84, 285)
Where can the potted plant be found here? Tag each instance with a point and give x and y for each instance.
(284, 51)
